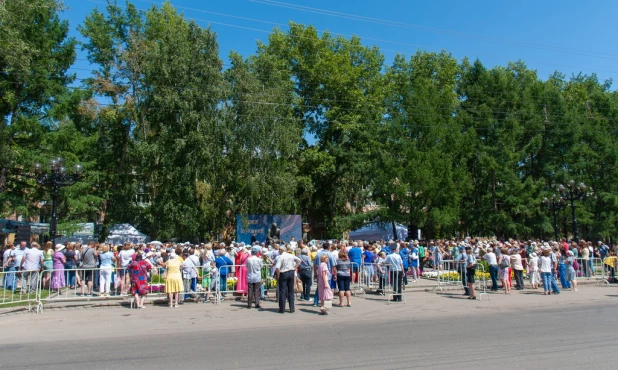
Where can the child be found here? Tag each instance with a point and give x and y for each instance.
(207, 268)
(214, 280)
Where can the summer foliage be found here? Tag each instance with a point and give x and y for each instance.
(177, 143)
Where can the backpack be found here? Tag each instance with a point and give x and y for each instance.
(575, 264)
(603, 250)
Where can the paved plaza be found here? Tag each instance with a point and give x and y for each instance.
(436, 331)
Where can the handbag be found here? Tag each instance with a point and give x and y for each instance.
(298, 285)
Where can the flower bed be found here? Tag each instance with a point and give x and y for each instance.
(156, 288)
(452, 275)
(231, 283)
(434, 274)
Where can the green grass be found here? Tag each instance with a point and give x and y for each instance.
(9, 299)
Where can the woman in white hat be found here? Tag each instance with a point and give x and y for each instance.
(57, 281)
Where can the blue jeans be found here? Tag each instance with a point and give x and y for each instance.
(193, 287)
(546, 278)
(222, 282)
(493, 273)
(562, 271)
(554, 284)
(10, 280)
(70, 277)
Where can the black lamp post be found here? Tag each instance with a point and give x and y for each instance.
(555, 204)
(572, 192)
(56, 178)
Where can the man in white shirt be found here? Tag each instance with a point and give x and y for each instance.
(462, 261)
(395, 266)
(492, 261)
(285, 269)
(31, 264)
(254, 277)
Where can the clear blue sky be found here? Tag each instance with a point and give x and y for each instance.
(575, 26)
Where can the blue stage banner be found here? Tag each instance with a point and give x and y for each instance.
(246, 226)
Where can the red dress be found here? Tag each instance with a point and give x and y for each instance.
(139, 277)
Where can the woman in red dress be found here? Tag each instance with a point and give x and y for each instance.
(139, 279)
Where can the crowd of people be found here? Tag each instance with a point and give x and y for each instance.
(209, 272)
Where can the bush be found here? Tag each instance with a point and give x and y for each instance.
(157, 279)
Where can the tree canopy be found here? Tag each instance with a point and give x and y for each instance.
(178, 142)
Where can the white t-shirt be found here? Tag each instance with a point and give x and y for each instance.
(32, 259)
(545, 264)
(491, 258)
(125, 257)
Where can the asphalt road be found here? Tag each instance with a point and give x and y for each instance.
(563, 333)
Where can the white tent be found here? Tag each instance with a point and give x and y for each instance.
(122, 233)
(379, 231)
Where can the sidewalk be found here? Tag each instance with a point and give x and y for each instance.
(232, 315)
(412, 292)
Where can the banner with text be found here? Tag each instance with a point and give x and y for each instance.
(259, 225)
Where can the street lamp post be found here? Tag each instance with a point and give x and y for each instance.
(555, 204)
(56, 178)
(572, 192)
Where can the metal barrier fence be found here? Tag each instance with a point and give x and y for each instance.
(368, 276)
(25, 287)
(21, 287)
(395, 277)
(379, 277)
(447, 273)
(356, 282)
(237, 284)
(481, 281)
(103, 283)
(593, 268)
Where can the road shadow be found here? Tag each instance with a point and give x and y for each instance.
(454, 296)
(315, 312)
(271, 310)
(376, 298)
(239, 305)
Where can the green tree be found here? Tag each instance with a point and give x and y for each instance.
(339, 100)
(35, 55)
(420, 168)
